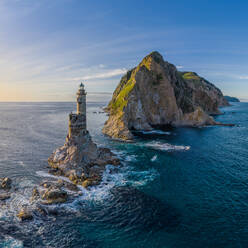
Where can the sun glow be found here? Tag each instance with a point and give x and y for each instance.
(13, 92)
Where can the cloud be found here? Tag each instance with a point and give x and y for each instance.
(179, 66)
(108, 74)
(243, 77)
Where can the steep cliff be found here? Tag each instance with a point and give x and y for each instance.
(155, 93)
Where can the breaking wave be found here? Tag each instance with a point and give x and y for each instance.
(112, 177)
(154, 158)
(9, 242)
(130, 158)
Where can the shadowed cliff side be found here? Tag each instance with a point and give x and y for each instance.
(155, 93)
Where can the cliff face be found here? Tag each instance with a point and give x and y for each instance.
(155, 93)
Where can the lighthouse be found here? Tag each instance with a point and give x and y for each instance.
(77, 121)
(81, 100)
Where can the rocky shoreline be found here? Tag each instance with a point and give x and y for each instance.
(53, 191)
(78, 163)
(48, 192)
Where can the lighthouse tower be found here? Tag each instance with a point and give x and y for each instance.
(77, 122)
(81, 100)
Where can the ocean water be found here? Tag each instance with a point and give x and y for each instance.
(184, 187)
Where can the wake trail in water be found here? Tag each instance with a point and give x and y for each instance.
(166, 146)
(155, 132)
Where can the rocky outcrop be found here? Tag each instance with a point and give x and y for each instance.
(231, 99)
(156, 94)
(5, 187)
(4, 196)
(47, 193)
(25, 214)
(81, 160)
(5, 183)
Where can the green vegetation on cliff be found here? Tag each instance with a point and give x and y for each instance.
(190, 76)
(121, 100)
(121, 94)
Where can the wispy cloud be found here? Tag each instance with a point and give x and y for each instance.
(179, 66)
(243, 77)
(104, 75)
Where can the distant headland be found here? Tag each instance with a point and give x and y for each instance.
(231, 99)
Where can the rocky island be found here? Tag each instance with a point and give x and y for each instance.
(79, 158)
(155, 94)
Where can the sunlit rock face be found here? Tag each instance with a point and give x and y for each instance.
(155, 93)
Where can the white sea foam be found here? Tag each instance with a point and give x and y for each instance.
(112, 177)
(45, 174)
(18, 199)
(95, 193)
(154, 158)
(119, 153)
(141, 178)
(21, 163)
(130, 158)
(10, 242)
(166, 146)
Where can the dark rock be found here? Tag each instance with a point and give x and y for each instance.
(35, 194)
(56, 172)
(25, 214)
(4, 196)
(67, 185)
(54, 196)
(5, 183)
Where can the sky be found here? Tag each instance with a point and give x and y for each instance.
(48, 46)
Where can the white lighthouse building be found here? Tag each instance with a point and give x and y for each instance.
(77, 122)
(81, 100)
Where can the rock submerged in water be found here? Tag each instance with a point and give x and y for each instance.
(5, 183)
(53, 192)
(54, 196)
(25, 214)
(155, 94)
(5, 187)
(4, 196)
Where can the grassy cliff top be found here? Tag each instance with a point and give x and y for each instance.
(190, 76)
(121, 94)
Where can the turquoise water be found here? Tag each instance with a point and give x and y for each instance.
(184, 187)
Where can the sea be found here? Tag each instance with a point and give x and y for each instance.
(177, 188)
